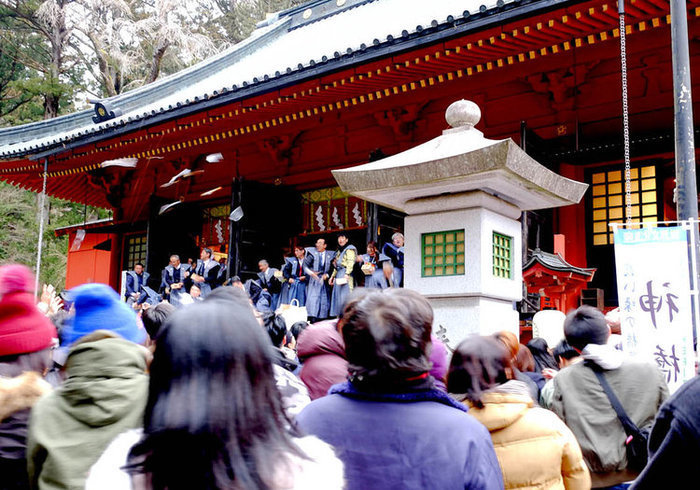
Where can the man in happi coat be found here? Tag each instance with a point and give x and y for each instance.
(134, 281)
(341, 278)
(269, 283)
(373, 267)
(318, 267)
(173, 279)
(295, 278)
(206, 273)
(394, 251)
(259, 297)
(221, 276)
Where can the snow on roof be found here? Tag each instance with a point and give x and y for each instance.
(290, 41)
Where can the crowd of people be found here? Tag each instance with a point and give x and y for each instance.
(313, 277)
(220, 395)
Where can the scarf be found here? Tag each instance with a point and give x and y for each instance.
(421, 392)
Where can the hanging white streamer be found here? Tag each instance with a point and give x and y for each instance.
(219, 231)
(336, 218)
(319, 219)
(356, 213)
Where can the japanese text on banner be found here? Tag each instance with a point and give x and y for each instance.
(656, 293)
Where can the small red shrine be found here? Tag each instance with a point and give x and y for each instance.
(558, 283)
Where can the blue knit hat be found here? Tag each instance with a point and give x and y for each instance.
(98, 307)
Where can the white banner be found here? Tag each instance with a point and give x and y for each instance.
(657, 297)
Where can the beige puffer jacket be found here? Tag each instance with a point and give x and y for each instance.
(534, 447)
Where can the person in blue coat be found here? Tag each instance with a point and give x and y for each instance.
(674, 442)
(295, 278)
(173, 280)
(389, 424)
(373, 266)
(261, 299)
(319, 266)
(206, 273)
(395, 251)
(269, 282)
(134, 281)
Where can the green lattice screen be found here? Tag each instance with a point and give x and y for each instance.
(502, 253)
(442, 253)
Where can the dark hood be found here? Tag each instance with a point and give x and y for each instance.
(104, 376)
(320, 339)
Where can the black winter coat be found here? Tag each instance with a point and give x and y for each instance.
(674, 443)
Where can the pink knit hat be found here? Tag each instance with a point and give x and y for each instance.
(16, 278)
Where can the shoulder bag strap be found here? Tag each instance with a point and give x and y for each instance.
(629, 426)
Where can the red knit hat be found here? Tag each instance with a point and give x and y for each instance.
(23, 328)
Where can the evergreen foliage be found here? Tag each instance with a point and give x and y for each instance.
(54, 51)
(19, 230)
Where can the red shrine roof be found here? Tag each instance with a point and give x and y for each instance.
(301, 68)
(554, 264)
(98, 224)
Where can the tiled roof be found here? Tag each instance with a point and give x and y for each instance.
(318, 37)
(555, 262)
(63, 230)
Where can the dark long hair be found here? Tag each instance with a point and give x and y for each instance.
(478, 364)
(540, 352)
(214, 417)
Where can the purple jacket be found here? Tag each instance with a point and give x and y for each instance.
(404, 444)
(322, 352)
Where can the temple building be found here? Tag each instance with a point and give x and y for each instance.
(336, 83)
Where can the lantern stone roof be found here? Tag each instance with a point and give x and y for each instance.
(302, 43)
(556, 263)
(459, 164)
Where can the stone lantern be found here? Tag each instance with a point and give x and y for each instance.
(463, 195)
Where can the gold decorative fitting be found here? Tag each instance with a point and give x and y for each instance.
(306, 14)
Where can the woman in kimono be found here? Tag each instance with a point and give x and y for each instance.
(341, 279)
(373, 267)
(294, 286)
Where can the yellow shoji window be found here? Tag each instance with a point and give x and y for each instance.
(608, 200)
